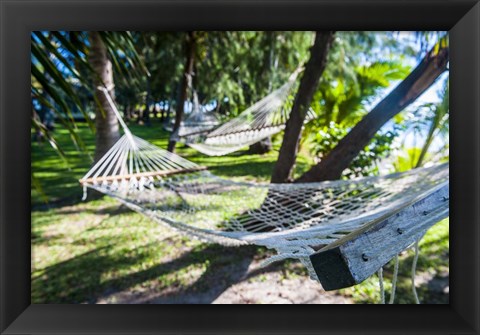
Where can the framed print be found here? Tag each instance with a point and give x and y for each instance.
(62, 307)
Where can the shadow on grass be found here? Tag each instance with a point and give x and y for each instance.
(227, 266)
(254, 169)
(38, 238)
(115, 209)
(67, 200)
(71, 282)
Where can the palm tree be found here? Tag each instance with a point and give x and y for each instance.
(344, 102)
(419, 80)
(190, 51)
(66, 64)
(106, 123)
(438, 124)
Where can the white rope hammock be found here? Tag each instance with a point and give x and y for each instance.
(197, 123)
(263, 119)
(293, 219)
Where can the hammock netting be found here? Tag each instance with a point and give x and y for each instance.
(196, 123)
(293, 219)
(263, 119)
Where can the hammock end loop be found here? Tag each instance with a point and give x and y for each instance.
(84, 197)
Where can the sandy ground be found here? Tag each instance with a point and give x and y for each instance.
(235, 277)
(255, 286)
(232, 285)
(238, 279)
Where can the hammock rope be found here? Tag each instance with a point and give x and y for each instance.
(263, 119)
(293, 219)
(197, 123)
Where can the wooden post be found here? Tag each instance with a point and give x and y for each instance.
(355, 257)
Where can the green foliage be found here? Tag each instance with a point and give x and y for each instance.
(407, 159)
(343, 100)
(427, 39)
(425, 124)
(232, 70)
(130, 69)
(360, 66)
(62, 76)
(235, 69)
(438, 127)
(163, 56)
(366, 163)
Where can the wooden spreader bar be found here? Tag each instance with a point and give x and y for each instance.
(355, 257)
(141, 174)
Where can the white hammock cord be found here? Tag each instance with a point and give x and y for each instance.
(394, 280)
(380, 283)
(414, 267)
(117, 113)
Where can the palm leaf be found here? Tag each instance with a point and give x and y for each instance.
(57, 77)
(53, 50)
(77, 141)
(47, 60)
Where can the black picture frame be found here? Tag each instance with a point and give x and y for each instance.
(18, 18)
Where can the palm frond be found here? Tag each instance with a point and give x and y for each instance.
(61, 71)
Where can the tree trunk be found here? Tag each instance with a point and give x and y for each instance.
(424, 75)
(106, 123)
(186, 83)
(128, 112)
(316, 64)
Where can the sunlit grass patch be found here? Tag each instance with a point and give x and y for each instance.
(78, 254)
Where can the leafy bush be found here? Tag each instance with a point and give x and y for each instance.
(366, 163)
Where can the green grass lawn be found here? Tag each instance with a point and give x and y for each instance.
(83, 251)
